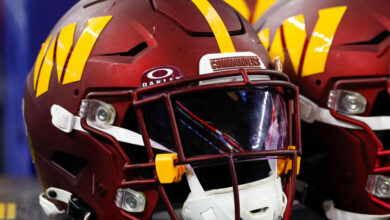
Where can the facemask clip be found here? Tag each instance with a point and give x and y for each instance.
(167, 172)
(285, 165)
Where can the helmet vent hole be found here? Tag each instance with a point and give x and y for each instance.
(375, 40)
(68, 162)
(76, 92)
(137, 49)
(93, 3)
(259, 211)
(318, 82)
(132, 52)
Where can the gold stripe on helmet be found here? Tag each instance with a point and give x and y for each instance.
(321, 40)
(221, 34)
(83, 48)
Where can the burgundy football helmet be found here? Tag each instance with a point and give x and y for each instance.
(145, 109)
(337, 52)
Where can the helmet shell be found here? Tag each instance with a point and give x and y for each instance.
(322, 43)
(126, 39)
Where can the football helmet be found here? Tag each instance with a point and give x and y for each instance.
(337, 52)
(161, 109)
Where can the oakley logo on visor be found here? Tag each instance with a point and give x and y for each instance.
(159, 75)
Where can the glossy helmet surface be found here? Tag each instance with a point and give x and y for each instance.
(126, 96)
(337, 53)
(251, 10)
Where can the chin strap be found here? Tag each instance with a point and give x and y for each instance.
(48, 207)
(76, 208)
(310, 112)
(193, 182)
(337, 214)
(67, 122)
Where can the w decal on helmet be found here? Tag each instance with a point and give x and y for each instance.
(251, 10)
(217, 26)
(308, 57)
(60, 49)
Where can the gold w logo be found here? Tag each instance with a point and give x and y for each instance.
(308, 57)
(69, 64)
(251, 10)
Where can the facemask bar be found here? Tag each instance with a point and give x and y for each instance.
(184, 85)
(381, 153)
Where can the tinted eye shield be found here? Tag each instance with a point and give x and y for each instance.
(167, 91)
(172, 91)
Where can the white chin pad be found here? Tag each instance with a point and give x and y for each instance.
(263, 199)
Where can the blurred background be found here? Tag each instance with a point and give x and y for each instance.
(24, 25)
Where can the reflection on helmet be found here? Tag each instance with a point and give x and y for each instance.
(335, 52)
(251, 10)
(216, 122)
(128, 118)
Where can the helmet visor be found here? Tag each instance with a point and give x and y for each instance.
(233, 120)
(223, 121)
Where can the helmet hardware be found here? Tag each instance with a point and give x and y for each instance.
(378, 185)
(97, 113)
(130, 200)
(78, 209)
(347, 102)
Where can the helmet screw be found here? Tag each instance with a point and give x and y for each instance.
(52, 194)
(384, 187)
(101, 189)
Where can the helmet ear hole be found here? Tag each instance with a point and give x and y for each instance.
(76, 92)
(318, 82)
(72, 164)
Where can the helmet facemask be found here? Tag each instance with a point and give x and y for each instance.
(228, 137)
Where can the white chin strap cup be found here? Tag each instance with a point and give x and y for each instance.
(337, 214)
(48, 207)
(263, 199)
